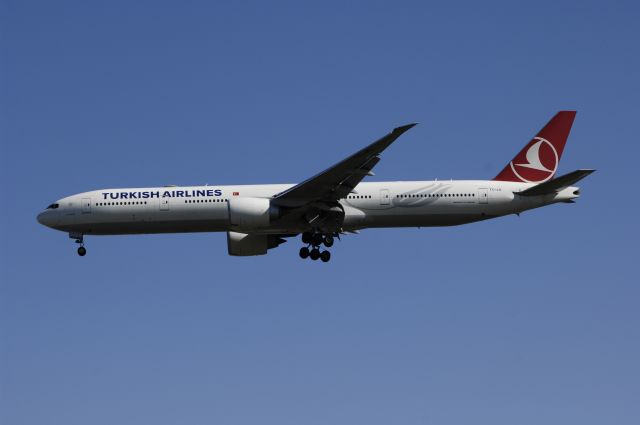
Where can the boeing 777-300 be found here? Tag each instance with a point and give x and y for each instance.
(260, 217)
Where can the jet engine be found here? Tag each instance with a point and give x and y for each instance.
(247, 214)
(245, 244)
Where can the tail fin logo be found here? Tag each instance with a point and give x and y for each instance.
(539, 164)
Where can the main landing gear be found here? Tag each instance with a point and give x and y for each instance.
(314, 241)
(82, 251)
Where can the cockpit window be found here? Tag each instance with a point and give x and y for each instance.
(53, 206)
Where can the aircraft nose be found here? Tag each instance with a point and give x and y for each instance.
(45, 218)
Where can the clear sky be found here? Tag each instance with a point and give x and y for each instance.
(521, 320)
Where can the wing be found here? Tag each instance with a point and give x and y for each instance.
(339, 180)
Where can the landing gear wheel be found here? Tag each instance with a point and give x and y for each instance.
(314, 254)
(304, 252)
(325, 256)
(306, 237)
(317, 239)
(82, 251)
(328, 241)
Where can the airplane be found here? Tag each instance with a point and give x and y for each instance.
(330, 204)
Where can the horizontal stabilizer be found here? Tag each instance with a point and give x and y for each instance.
(557, 184)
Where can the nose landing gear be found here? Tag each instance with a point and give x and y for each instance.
(79, 237)
(314, 241)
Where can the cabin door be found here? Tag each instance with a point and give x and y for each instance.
(483, 196)
(86, 205)
(385, 198)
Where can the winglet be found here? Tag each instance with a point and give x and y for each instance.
(403, 128)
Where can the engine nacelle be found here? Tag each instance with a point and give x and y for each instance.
(246, 214)
(243, 244)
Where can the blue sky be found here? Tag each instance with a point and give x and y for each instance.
(531, 319)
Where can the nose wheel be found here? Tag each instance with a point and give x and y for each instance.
(79, 238)
(314, 242)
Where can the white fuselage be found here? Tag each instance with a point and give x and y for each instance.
(372, 204)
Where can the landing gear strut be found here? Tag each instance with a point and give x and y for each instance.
(79, 237)
(314, 241)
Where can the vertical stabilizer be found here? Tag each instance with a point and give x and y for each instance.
(538, 161)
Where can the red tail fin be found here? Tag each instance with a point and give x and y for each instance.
(539, 159)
